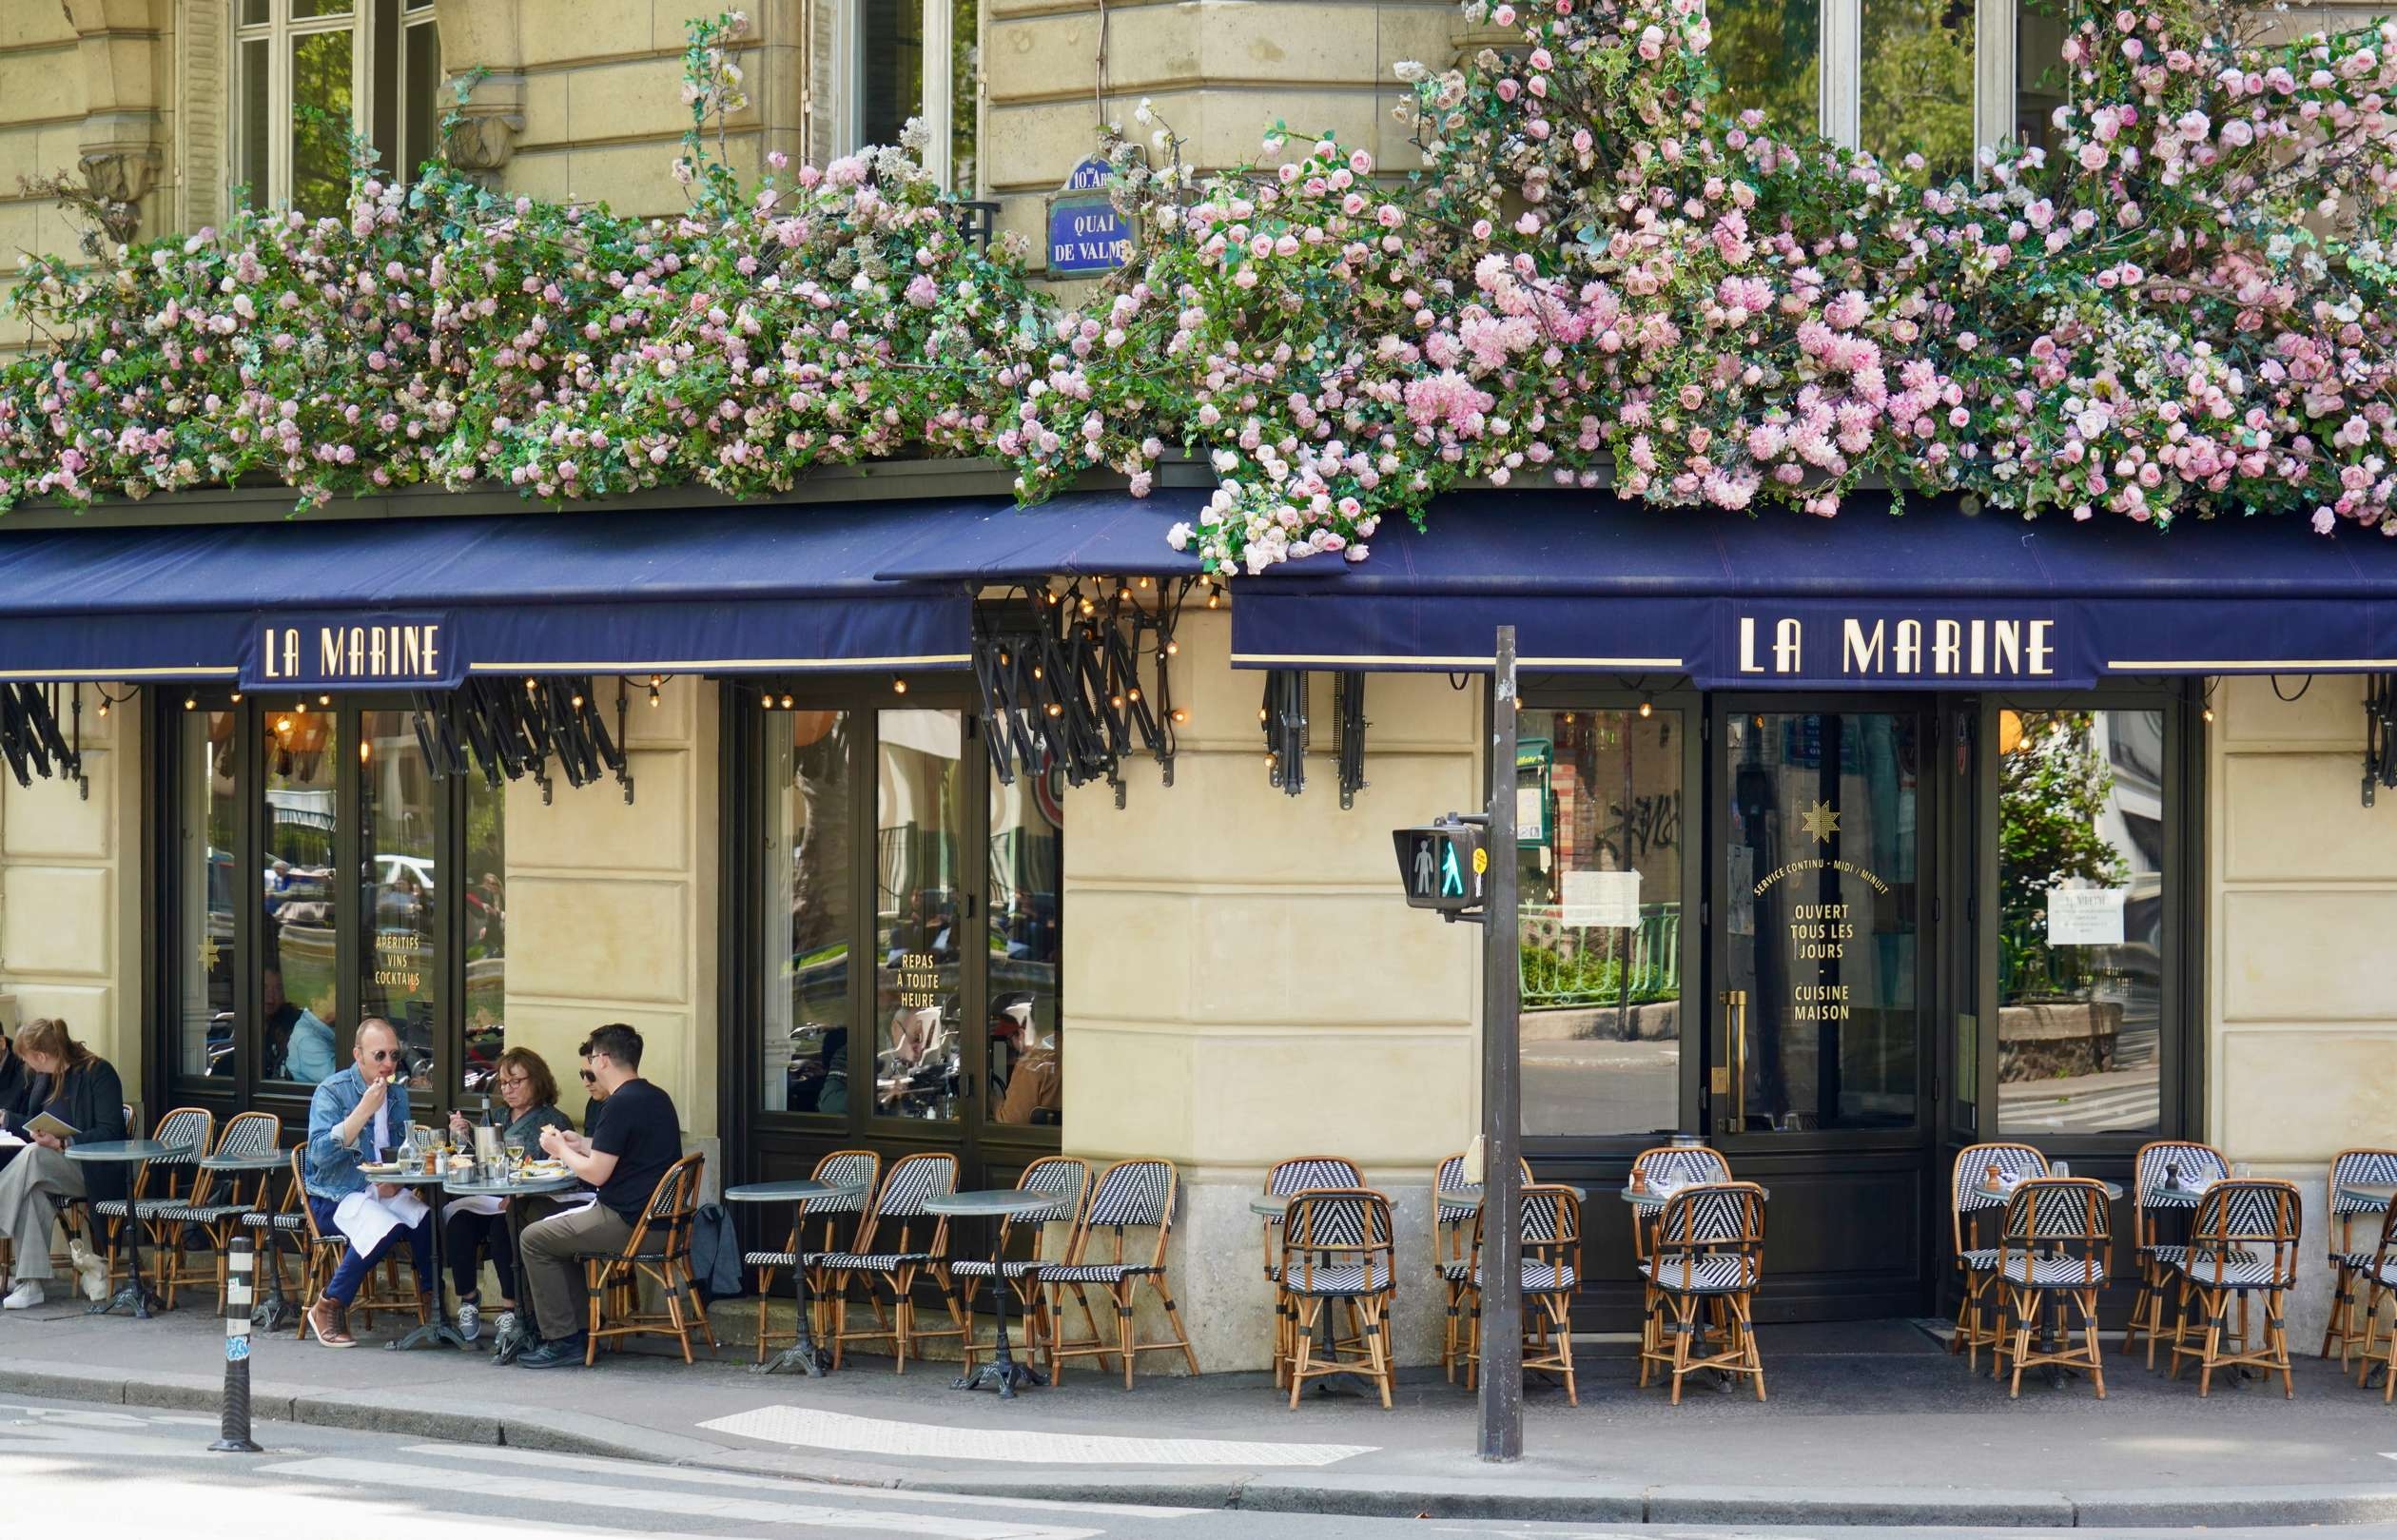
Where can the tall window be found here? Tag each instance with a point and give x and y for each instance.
(919, 59)
(309, 73)
(320, 874)
(2082, 945)
(1934, 78)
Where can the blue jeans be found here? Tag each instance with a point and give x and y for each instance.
(355, 1266)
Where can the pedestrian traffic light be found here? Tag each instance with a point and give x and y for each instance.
(1441, 864)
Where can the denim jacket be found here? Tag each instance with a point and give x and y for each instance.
(332, 1165)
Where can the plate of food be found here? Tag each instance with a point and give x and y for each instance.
(384, 1168)
(543, 1169)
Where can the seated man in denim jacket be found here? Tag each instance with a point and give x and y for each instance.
(353, 1115)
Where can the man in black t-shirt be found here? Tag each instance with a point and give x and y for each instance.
(638, 1142)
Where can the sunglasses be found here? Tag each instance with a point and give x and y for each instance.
(588, 1077)
(384, 1056)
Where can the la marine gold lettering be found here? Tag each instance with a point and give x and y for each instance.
(359, 653)
(1943, 647)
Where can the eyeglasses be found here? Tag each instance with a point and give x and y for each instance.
(590, 1079)
(383, 1056)
(513, 1080)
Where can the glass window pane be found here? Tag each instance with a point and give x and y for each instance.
(303, 9)
(399, 943)
(1027, 866)
(255, 12)
(1823, 920)
(320, 121)
(809, 914)
(421, 103)
(2040, 28)
(1918, 82)
(1599, 857)
(2080, 915)
(302, 1032)
(965, 93)
(486, 929)
(920, 890)
(1765, 52)
(205, 1044)
(256, 120)
(891, 68)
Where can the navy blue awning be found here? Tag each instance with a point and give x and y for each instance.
(1864, 600)
(1077, 535)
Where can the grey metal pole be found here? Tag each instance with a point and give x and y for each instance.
(233, 1426)
(1501, 1119)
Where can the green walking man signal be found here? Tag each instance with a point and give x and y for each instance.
(1442, 864)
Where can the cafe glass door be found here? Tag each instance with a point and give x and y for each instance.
(1820, 1067)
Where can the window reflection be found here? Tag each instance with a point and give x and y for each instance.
(399, 955)
(486, 904)
(1766, 53)
(2080, 901)
(211, 760)
(1600, 833)
(299, 992)
(1027, 859)
(1917, 81)
(808, 914)
(919, 826)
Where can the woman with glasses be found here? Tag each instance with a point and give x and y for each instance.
(475, 1225)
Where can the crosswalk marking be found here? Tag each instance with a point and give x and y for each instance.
(534, 1493)
(501, 1454)
(876, 1435)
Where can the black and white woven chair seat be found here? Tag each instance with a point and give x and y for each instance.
(2254, 1273)
(1338, 1281)
(880, 1261)
(1095, 1272)
(1709, 1275)
(273, 1221)
(1543, 1278)
(1455, 1272)
(2361, 1261)
(207, 1214)
(1013, 1268)
(1982, 1259)
(2052, 1273)
(782, 1259)
(2178, 1256)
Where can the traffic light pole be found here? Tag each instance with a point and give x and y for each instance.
(1502, 1121)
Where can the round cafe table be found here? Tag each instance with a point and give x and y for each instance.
(272, 1313)
(803, 1354)
(995, 1205)
(136, 1294)
(439, 1331)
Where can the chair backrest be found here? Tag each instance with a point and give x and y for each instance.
(1065, 1177)
(1336, 1227)
(1711, 1220)
(245, 1134)
(1970, 1175)
(1681, 1164)
(1551, 1231)
(189, 1127)
(298, 1194)
(1302, 1172)
(2198, 1165)
(2058, 1216)
(861, 1169)
(2371, 1168)
(2254, 1215)
(1450, 1177)
(906, 1186)
(1131, 1194)
(671, 1208)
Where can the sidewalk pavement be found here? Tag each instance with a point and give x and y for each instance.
(1869, 1424)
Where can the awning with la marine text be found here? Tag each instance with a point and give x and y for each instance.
(1933, 598)
(421, 602)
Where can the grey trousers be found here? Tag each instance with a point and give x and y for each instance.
(31, 1186)
(554, 1270)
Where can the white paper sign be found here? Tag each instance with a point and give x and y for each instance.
(1602, 898)
(2085, 916)
(1530, 812)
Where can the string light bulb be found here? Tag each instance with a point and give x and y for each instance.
(577, 702)
(898, 684)
(282, 723)
(2207, 713)
(324, 700)
(1135, 692)
(786, 703)
(301, 707)
(1172, 649)
(1180, 715)
(190, 701)
(104, 705)
(366, 749)
(1648, 706)
(652, 697)
(1215, 594)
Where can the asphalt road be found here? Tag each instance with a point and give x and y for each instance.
(107, 1471)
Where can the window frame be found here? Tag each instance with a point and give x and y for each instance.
(169, 771)
(378, 108)
(936, 107)
(1840, 92)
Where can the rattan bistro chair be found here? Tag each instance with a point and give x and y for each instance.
(2244, 1242)
(1305, 1173)
(2378, 1278)
(216, 1205)
(659, 1250)
(861, 1167)
(319, 1254)
(1132, 1195)
(892, 1252)
(2198, 1165)
(1455, 1224)
(1336, 1249)
(163, 1184)
(1550, 1269)
(2353, 1267)
(1709, 1247)
(1065, 1177)
(1976, 1265)
(2058, 1239)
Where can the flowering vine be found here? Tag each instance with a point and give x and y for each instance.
(2180, 306)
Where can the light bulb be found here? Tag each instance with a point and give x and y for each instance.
(1214, 595)
(103, 708)
(324, 700)
(898, 685)
(2209, 713)
(653, 696)
(282, 723)
(1648, 709)
(365, 751)
(1172, 649)
(1135, 692)
(237, 698)
(1180, 715)
(301, 707)
(190, 701)
(786, 703)
(578, 703)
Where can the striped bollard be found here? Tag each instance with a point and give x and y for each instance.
(233, 1428)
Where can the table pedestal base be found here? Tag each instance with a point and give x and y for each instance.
(802, 1355)
(135, 1296)
(1006, 1375)
(435, 1334)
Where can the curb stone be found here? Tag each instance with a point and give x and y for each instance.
(1535, 1496)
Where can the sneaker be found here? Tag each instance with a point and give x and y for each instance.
(470, 1320)
(326, 1323)
(91, 1268)
(28, 1294)
(567, 1353)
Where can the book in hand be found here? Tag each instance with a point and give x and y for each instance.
(57, 1128)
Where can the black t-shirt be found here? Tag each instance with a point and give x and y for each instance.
(641, 1131)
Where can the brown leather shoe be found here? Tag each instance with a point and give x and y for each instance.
(329, 1323)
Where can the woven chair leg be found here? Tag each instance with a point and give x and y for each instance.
(1304, 1350)
(1125, 1335)
(1684, 1319)
(1173, 1315)
(2341, 1319)
(1377, 1348)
